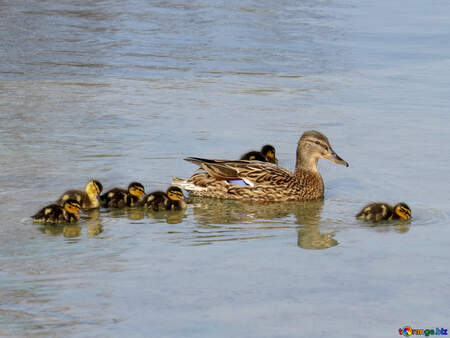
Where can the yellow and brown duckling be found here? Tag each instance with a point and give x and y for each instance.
(56, 214)
(173, 199)
(88, 199)
(119, 198)
(382, 211)
(267, 154)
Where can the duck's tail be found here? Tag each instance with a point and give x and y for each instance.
(184, 184)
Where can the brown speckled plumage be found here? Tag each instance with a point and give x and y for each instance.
(265, 181)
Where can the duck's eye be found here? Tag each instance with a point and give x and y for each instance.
(321, 144)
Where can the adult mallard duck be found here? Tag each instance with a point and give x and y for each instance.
(56, 214)
(264, 181)
(119, 198)
(267, 154)
(88, 199)
(383, 211)
(159, 200)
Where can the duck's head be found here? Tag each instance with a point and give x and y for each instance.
(268, 151)
(94, 188)
(402, 210)
(175, 193)
(136, 189)
(312, 146)
(72, 206)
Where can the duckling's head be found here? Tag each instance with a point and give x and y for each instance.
(94, 188)
(175, 193)
(268, 151)
(312, 146)
(402, 210)
(72, 206)
(136, 189)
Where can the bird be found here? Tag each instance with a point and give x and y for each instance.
(267, 154)
(383, 211)
(88, 199)
(173, 199)
(119, 198)
(56, 214)
(264, 181)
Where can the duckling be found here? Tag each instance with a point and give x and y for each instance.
(56, 214)
(383, 211)
(267, 154)
(88, 199)
(159, 200)
(119, 198)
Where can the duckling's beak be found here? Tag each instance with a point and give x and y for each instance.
(333, 157)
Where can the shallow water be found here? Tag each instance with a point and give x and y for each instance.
(94, 89)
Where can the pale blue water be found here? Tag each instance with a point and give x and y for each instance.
(124, 91)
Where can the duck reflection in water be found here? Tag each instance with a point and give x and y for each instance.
(309, 236)
(211, 213)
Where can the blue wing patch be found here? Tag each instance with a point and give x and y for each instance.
(238, 182)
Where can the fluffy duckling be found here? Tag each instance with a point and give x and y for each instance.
(88, 199)
(267, 154)
(56, 214)
(383, 211)
(119, 198)
(159, 200)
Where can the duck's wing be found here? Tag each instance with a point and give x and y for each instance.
(255, 172)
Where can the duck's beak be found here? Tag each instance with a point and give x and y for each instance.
(333, 157)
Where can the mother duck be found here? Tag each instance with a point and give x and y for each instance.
(264, 181)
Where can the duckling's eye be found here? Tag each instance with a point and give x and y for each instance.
(405, 211)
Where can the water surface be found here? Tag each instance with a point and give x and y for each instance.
(123, 92)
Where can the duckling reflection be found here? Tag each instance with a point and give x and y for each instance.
(399, 226)
(71, 231)
(68, 231)
(94, 224)
(135, 213)
(94, 229)
(139, 213)
(170, 216)
(309, 235)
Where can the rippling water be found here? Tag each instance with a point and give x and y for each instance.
(124, 91)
